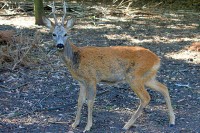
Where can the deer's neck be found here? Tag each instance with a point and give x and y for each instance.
(71, 55)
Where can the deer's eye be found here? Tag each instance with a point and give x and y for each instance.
(65, 35)
(54, 34)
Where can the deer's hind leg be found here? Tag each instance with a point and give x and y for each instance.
(137, 86)
(157, 86)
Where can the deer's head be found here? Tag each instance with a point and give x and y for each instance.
(59, 30)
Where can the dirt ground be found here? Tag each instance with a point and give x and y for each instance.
(42, 97)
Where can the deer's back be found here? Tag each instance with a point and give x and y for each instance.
(113, 63)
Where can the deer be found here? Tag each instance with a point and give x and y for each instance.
(90, 65)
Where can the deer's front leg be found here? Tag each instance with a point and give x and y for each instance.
(81, 100)
(91, 94)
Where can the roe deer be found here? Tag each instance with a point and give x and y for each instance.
(136, 66)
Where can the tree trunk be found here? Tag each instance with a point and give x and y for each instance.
(39, 11)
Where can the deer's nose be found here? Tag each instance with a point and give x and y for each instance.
(60, 45)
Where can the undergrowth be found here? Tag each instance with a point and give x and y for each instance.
(19, 49)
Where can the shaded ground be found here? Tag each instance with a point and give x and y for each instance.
(42, 97)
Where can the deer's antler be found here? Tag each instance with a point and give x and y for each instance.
(53, 12)
(65, 12)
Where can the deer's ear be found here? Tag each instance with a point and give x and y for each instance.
(70, 23)
(48, 23)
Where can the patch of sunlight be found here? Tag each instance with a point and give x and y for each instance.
(93, 26)
(173, 15)
(156, 26)
(175, 19)
(177, 39)
(127, 37)
(157, 39)
(186, 55)
(141, 22)
(107, 22)
(116, 19)
(28, 22)
(183, 26)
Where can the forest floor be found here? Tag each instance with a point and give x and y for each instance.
(41, 96)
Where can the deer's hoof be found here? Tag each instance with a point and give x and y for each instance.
(171, 125)
(74, 125)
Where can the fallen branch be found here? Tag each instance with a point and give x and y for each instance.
(2, 86)
(106, 91)
(21, 58)
(19, 86)
(183, 85)
(58, 122)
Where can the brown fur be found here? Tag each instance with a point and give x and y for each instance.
(136, 66)
(99, 63)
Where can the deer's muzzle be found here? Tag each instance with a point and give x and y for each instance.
(60, 46)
